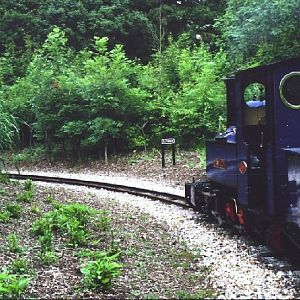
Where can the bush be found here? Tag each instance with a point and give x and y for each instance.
(26, 196)
(19, 266)
(48, 258)
(12, 286)
(100, 272)
(14, 210)
(4, 216)
(14, 244)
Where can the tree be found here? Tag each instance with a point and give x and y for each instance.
(186, 92)
(256, 32)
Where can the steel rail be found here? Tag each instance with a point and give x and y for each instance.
(141, 192)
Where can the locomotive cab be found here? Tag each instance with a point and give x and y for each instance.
(253, 168)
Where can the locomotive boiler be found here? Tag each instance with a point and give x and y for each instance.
(253, 168)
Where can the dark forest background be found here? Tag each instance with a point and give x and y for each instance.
(90, 76)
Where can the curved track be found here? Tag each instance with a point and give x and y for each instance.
(167, 198)
(155, 195)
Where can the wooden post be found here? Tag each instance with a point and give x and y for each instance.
(163, 162)
(173, 154)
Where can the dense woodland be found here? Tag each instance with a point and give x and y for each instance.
(81, 77)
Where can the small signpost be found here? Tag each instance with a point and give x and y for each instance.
(164, 144)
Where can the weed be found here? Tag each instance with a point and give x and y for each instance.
(205, 294)
(41, 226)
(50, 199)
(35, 209)
(29, 186)
(19, 266)
(202, 155)
(151, 297)
(46, 241)
(31, 155)
(71, 220)
(14, 210)
(94, 255)
(26, 196)
(14, 244)
(100, 272)
(3, 191)
(4, 178)
(185, 257)
(48, 258)
(103, 220)
(77, 235)
(4, 216)
(12, 286)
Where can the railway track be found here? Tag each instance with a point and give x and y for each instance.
(167, 198)
(164, 197)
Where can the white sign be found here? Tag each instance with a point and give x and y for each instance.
(169, 141)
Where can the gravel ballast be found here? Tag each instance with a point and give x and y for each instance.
(235, 271)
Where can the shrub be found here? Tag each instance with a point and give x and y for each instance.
(4, 216)
(12, 286)
(19, 266)
(14, 210)
(46, 241)
(29, 186)
(26, 196)
(4, 178)
(14, 244)
(48, 258)
(41, 226)
(100, 272)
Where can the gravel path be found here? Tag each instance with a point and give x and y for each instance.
(235, 268)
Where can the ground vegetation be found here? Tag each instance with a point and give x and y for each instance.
(60, 243)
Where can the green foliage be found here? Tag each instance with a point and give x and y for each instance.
(102, 222)
(14, 210)
(188, 92)
(205, 294)
(100, 272)
(260, 31)
(31, 155)
(46, 241)
(26, 196)
(4, 216)
(71, 220)
(4, 178)
(48, 258)
(35, 209)
(19, 266)
(91, 101)
(8, 128)
(29, 186)
(13, 243)
(41, 226)
(12, 286)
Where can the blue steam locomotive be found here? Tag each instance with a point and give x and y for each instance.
(253, 168)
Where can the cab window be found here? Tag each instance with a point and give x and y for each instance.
(255, 104)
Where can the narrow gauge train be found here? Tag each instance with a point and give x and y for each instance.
(253, 168)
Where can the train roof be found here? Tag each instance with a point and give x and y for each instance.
(269, 67)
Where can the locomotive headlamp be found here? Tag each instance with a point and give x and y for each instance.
(243, 167)
(289, 90)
